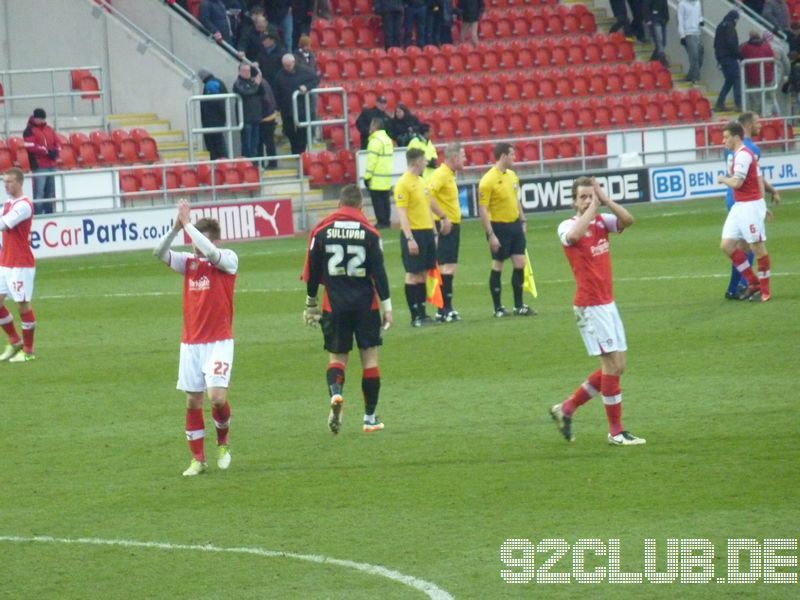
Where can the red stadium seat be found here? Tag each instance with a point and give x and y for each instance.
(67, 158)
(6, 159)
(88, 155)
(107, 151)
(149, 149)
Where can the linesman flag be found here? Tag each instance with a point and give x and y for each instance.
(529, 283)
(433, 287)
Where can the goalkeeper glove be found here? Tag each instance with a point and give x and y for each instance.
(312, 314)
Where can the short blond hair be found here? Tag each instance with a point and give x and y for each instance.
(16, 173)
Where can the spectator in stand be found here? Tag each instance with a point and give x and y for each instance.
(726, 51)
(470, 11)
(214, 17)
(445, 20)
(306, 59)
(755, 48)
(391, 12)
(269, 121)
(235, 10)
(279, 12)
(293, 78)
(782, 69)
(414, 18)
(302, 14)
(304, 56)
(43, 147)
(270, 57)
(655, 14)
(690, 23)
(212, 114)
(794, 37)
(792, 86)
(367, 115)
(249, 86)
(403, 125)
(433, 22)
(250, 42)
(777, 13)
(621, 20)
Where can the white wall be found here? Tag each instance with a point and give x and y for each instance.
(67, 33)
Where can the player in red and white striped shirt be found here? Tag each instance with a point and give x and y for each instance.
(745, 222)
(17, 268)
(584, 238)
(206, 358)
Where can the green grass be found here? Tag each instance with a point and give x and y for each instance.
(93, 446)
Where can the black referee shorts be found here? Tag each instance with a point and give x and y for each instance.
(511, 237)
(338, 329)
(426, 259)
(447, 250)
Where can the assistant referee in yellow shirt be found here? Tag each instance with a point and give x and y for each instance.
(504, 223)
(444, 192)
(418, 244)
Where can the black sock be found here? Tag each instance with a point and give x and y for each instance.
(371, 386)
(447, 292)
(517, 278)
(335, 377)
(494, 287)
(411, 298)
(422, 294)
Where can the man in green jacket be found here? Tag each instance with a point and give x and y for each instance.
(378, 176)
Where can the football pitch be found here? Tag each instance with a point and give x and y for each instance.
(93, 505)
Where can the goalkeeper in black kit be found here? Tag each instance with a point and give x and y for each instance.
(345, 255)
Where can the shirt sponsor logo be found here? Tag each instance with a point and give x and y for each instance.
(200, 284)
(602, 247)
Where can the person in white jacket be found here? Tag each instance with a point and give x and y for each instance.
(690, 22)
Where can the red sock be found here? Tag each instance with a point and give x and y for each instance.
(612, 401)
(222, 421)
(196, 432)
(585, 392)
(739, 260)
(763, 275)
(28, 326)
(7, 323)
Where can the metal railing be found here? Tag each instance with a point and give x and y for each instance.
(765, 90)
(193, 20)
(107, 192)
(228, 129)
(311, 122)
(49, 99)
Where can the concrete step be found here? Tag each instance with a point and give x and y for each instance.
(149, 124)
(170, 135)
(182, 155)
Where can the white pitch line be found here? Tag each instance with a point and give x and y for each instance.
(177, 293)
(429, 589)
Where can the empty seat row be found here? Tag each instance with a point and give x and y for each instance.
(772, 131)
(230, 177)
(536, 150)
(458, 90)
(101, 148)
(470, 59)
(348, 8)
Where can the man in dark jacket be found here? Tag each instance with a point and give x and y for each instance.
(726, 50)
(214, 17)
(292, 78)
(365, 118)
(656, 15)
(250, 41)
(43, 146)
(270, 56)
(249, 86)
(212, 114)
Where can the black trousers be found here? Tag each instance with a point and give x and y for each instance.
(381, 206)
(215, 144)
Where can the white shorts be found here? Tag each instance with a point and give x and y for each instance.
(746, 222)
(204, 366)
(17, 283)
(601, 329)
